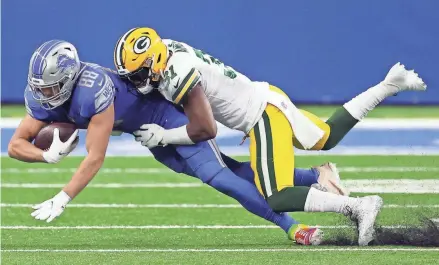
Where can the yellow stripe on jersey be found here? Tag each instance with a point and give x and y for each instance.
(186, 86)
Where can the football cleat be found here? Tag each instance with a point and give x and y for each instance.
(403, 79)
(329, 180)
(305, 235)
(364, 212)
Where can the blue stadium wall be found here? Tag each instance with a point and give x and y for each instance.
(317, 51)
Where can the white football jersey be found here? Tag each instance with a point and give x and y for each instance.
(236, 101)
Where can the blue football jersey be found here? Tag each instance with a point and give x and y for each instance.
(96, 89)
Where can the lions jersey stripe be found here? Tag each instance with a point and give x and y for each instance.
(28, 109)
(105, 96)
(186, 86)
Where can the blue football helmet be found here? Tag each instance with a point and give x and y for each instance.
(53, 71)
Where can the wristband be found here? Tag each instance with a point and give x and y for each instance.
(49, 157)
(177, 136)
(62, 197)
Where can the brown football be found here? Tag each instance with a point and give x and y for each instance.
(45, 136)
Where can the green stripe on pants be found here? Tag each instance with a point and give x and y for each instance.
(270, 157)
(258, 159)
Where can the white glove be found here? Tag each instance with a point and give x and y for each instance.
(150, 135)
(58, 150)
(52, 208)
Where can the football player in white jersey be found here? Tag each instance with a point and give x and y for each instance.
(210, 91)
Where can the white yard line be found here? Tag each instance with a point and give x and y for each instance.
(56, 170)
(177, 206)
(161, 227)
(134, 171)
(375, 150)
(361, 185)
(388, 169)
(351, 249)
(411, 206)
(94, 205)
(392, 185)
(105, 186)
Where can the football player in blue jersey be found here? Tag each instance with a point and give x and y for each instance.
(61, 88)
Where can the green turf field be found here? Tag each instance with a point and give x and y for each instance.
(137, 212)
(321, 111)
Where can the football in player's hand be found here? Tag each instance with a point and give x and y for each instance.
(45, 136)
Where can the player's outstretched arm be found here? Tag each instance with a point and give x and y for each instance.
(202, 125)
(20, 146)
(98, 135)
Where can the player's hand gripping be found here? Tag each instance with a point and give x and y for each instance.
(51, 208)
(58, 150)
(150, 135)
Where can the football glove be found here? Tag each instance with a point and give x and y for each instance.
(58, 150)
(150, 135)
(52, 208)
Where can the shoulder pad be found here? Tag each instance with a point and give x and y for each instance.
(180, 77)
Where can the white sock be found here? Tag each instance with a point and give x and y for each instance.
(320, 201)
(360, 105)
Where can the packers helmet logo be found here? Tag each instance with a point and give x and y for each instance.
(142, 44)
(138, 48)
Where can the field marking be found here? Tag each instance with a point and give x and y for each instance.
(177, 206)
(101, 171)
(387, 169)
(164, 227)
(135, 171)
(411, 186)
(351, 249)
(119, 149)
(369, 123)
(392, 186)
(105, 185)
(92, 205)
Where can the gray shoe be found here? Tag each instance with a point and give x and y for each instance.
(364, 212)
